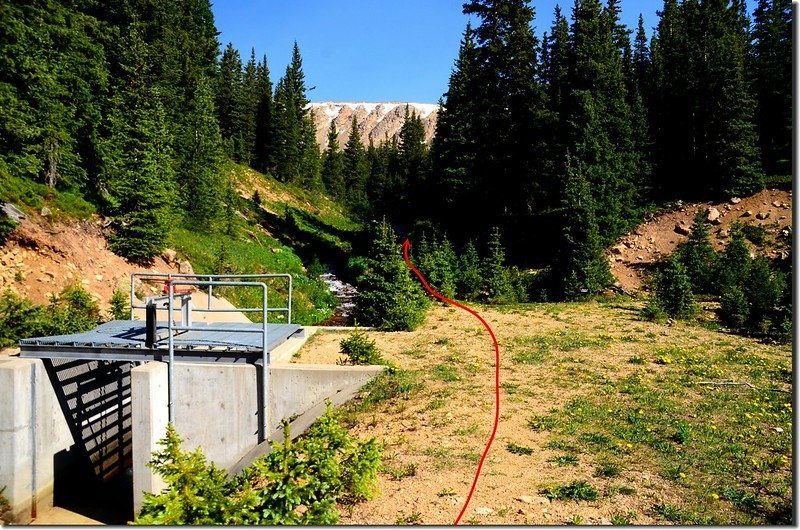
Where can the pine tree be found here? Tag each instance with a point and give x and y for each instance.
(410, 189)
(699, 257)
(453, 150)
(229, 90)
(496, 274)
(199, 176)
(333, 166)
(771, 71)
(581, 265)
(356, 172)
(509, 108)
(387, 296)
(246, 113)
(296, 151)
(264, 135)
(141, 178)
(673, 292)
(470, 279)
(601, 132)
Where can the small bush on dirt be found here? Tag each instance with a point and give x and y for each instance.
(360, 349)
(515, 449)
(299, 482)
(698, 256)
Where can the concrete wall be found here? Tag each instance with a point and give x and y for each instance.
(22, 464)
(216, 407)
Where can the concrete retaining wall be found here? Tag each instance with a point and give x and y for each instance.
(25, 387)
(217, 407)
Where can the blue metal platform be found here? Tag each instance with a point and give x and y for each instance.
(124, 340)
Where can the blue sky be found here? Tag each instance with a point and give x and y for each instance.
(370, 50)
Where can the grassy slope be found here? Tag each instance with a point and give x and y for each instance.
(287, 231)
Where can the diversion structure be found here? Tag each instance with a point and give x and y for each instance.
(95, 404)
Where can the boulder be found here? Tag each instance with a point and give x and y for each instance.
(762, 215)
(713, 216)
(46, 212)
(618, 249)
(682, 229)
(735, 200)
(184, 267)
(170, 256)
(748, 213)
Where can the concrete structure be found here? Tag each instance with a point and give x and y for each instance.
(33, 433)
(103, 418)
(216, 408)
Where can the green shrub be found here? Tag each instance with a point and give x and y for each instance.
(438, 264)
(72, 311)
(470, 278)
(7, 226)
(120, 306)
(499, 284)
(5, 507)
(360, 349)
(577, 490)
(298, 482)
(673, 293)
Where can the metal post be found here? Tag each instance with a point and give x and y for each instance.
(210, 291)
(289, 317)
(170, 374)
(34, 485)
(133, 280)
(265, 368)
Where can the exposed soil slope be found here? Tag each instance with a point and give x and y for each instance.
(658, 237)
(41, 258)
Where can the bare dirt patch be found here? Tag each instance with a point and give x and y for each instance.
(658, 237)
(40, 259)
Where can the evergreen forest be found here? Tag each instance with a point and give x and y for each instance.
(547, 148)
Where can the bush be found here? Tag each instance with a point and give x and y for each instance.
(498, 277)
(673, 294)
(120, 308)
(360, 349)
(7, 226)
(72, 311)
(299, 482)
(470, 278)
(438, 264)
(387, 296)
(733, 311)
(5, 507)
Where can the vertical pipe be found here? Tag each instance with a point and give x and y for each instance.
(289, 318)
(34, 485)
(133, 276)
(264, 368)
(170, 374)
(210, 291)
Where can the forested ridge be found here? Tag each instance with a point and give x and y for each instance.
(560, 142)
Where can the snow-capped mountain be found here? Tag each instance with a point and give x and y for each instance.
(376, 121)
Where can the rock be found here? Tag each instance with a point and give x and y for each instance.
(84, 282)
(724, 233)
(184, 267)
(713, 215)
(778, 430)
(748, 213)
(46, 212)
(735, 200)
(483, 510)
(682, 230)
(762, 215)
(640, 258)
(98, 277)
(618, 249)
(274, 250)
(776, 204)
(527, 499)
(170, 256)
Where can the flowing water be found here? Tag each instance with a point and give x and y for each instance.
(344, 292)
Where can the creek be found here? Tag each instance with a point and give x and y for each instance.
(344, 292)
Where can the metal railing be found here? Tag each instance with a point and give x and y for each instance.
(213, 280)
(210, 281)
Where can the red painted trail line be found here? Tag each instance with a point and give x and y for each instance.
(428, 288)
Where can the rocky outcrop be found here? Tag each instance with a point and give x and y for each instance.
(376, 121)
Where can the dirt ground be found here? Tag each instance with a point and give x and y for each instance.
(658, 237)
(441, 431)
